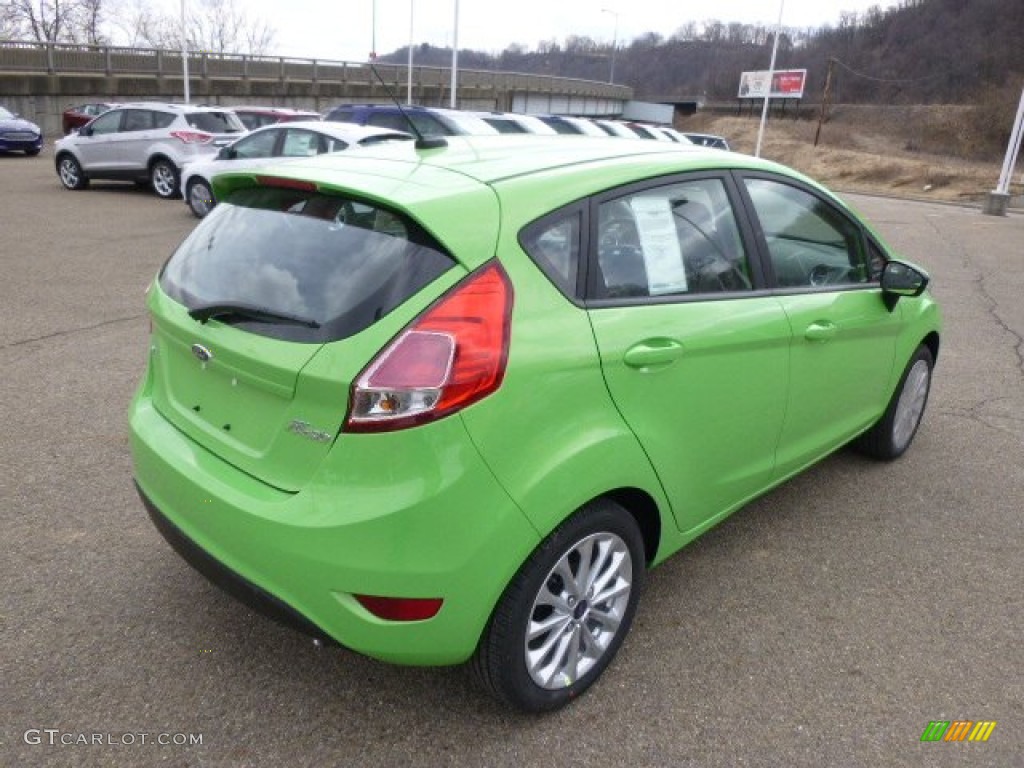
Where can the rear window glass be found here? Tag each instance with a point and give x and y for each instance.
(426, 124)
(561, 126)
(215, 122)
(504, 125)
(336, 262)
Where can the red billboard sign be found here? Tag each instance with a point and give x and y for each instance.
(780, 84)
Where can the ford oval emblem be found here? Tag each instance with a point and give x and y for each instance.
(202, 354)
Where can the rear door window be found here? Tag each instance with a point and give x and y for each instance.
(325, 266)
(675, 240)
(137, 120)
(302, 143)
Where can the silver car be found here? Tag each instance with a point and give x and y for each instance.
(147, 143)
(276, 142)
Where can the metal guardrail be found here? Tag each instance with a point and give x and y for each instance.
(113, 61)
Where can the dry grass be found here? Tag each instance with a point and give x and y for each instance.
(873, 149)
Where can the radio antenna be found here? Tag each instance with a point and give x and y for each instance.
(422, 142)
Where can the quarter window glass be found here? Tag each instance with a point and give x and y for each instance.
(163, 119)
(810, 243)
(555, 247)
(876, 260)
(679, 239)
(215, 122)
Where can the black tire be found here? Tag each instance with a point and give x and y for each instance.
(501, 661)
(163, 177)
(892, 434)
(70, 173)
(31, 152)
(199, 197)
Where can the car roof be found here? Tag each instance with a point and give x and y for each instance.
(400, 167)
(476, 172)
(272, 111)
(170, 107)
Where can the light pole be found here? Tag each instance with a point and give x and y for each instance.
(408, 96)
(184, 51)
(455, 55)
(615, 43)
(771, 70)
(373, 31)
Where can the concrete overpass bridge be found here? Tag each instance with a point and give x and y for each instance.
(38, 81)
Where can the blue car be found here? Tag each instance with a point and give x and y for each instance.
(19, 135)
(428, 121)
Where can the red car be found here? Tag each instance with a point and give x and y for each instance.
(79, 115)
(257, 117)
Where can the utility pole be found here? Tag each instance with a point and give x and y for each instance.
(455, 58)
(771, 72)
(184, 52)
(615, 43)
(825, 96)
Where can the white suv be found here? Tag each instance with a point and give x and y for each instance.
(144, 143)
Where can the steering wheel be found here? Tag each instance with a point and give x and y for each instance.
(823, 274)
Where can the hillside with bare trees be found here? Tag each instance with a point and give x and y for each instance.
(918, 51)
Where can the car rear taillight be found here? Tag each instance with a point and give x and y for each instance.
(284, 183)
(192, 137)
(453, 355)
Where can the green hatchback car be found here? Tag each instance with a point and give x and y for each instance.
(449, 404)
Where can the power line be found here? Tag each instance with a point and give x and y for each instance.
(852, 71)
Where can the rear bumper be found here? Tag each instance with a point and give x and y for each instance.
(423, 518)
(235, 585)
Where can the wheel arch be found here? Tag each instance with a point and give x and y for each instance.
(158, 156)
(644, 510)
(60, 155)
(932, 342)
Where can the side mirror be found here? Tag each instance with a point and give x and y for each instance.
(85, 130)
(901, 279)
(226, 153)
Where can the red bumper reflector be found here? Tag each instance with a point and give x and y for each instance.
(401, 608)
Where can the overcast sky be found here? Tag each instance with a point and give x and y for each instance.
(343, 29)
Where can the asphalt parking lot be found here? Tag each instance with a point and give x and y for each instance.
(825, 624)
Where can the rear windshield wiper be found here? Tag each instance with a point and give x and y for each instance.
(248, 312)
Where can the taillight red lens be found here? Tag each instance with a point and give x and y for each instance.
(453, 355)
(283, 183)
(401, 608)
(192, 137)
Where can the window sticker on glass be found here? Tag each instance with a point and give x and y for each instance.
(660, 243)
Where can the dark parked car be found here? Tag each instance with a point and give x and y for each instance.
(80, 114)
(426, 120)
(18, 134)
